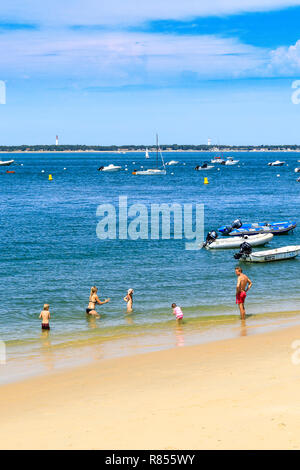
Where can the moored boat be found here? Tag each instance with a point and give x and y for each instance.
(276, 228)
(110, 167)
(231, 161)
(219, 160)
(278, 254)
(6, 163)
(276, 163)
(157, 170)
(213, 243)
(204, 166)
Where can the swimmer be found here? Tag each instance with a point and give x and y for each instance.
(45, 316)
(177, 312)
(129, 299)
(93, 300)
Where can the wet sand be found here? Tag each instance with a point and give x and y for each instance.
(240, 393)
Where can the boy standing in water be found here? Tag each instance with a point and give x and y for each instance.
(242, 287)
(45, 316)
(177, 312)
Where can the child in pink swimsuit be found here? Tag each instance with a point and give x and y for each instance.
(177, 312)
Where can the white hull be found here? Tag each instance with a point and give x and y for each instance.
(286, 252)
(172, 162)
(209, 167)
(231, 162)
(277, 163)
(7, 163)
(150, 172)
(111, 168)
(235, 242)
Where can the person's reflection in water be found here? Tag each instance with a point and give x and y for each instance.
(92, 321)
(179, 334)
(243, 330)
(46, 350)
(129, 319)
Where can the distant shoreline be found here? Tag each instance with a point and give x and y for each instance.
(150, 151)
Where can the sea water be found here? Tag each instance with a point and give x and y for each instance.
(50, 252)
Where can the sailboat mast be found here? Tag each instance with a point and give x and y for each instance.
(156, 150)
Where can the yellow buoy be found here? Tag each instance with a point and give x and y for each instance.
(205, 180)
(50, 177)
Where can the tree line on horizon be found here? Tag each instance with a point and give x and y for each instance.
(116, 148)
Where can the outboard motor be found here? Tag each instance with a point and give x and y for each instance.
(237, 224)
(210, 238)
(245, 250)
(100, 168)
(197, 167)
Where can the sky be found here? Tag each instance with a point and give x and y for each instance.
(116, 72)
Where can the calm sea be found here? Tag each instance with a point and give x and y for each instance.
(50, 251)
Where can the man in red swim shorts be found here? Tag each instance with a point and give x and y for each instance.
(242, 287)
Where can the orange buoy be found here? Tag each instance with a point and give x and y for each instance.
(10, 171)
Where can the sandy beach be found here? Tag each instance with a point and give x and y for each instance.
(240, 393)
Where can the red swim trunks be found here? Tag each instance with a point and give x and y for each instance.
(241, 297)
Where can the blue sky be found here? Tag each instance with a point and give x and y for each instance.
(117, 72)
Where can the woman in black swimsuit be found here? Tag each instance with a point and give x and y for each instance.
(93, 300)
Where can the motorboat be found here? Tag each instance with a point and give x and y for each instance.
(237, 228)
(156, 170)
(277, 254)
(213, 243)
(219, 160)
(110, 167)
(6, 163)
(297, 170)
(276, 163)
(231, 161)
(172, 162)
(204, 166)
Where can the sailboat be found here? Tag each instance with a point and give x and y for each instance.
(157, 170)
(147, 153)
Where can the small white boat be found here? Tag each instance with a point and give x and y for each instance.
(231, 161)
(276, 163)
(235, 242)
(279, 254)
(219, 160)
(147, 153)
(7, 163)
(204, 166)
(157, 170)
(172, 162)
(297, 170)
(110, 167)
(150, 171)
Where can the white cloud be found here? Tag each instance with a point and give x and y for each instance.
(109, 12)
(285, 60)
(118, 59)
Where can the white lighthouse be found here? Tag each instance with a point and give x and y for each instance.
(208, 142)
(56, 140)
